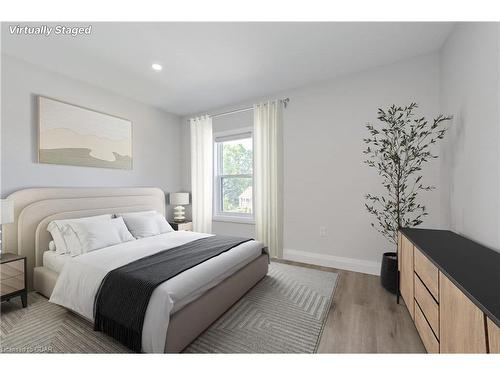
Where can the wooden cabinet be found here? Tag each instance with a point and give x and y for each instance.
(461, 322)
(448, 319)
(406, 275)
(493, 337)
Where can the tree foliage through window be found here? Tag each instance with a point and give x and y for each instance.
(236, 176)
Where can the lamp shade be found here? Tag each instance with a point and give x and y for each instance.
(6, 212)
(179, 199)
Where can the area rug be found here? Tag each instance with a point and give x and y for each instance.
(283, 313)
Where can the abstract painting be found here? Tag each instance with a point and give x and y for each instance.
(73, 135)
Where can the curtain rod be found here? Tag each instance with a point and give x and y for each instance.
(285, 103)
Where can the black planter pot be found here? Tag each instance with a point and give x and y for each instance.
(389, 272)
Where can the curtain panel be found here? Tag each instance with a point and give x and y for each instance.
(201, 173)
(268, 175)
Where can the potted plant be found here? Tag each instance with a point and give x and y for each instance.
(398, 148)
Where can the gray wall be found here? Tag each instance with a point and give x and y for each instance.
(156, 134)
(324, 175)
(470, 91)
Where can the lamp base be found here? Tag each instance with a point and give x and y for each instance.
(179, 214)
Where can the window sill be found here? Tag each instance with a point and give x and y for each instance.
(234, 219)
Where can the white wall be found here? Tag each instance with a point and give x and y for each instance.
(324, 175)
(156, 134)
(470, 90)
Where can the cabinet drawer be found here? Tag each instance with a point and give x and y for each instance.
(430, 342)
(12, 284)
(427, 272)
(11, 269)
(427, 304)
(185, 226)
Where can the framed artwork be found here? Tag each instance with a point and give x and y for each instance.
(72, 135)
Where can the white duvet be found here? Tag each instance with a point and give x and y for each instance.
(81, 277)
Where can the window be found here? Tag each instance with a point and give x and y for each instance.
(233, 200)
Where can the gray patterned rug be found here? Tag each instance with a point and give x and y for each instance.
(284, 313)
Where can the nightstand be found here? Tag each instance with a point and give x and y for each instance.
(182, 226)
(13, 277)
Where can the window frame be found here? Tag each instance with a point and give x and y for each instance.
(218, 213)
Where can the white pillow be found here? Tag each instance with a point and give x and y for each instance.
(138, 213)
(147, 225)
(95, 235)
(63, 235)
(55, 232)
(52, 246)
(163, 224)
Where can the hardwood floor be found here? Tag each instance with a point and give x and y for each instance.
(364, 318)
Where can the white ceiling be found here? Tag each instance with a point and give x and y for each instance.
(210, 65)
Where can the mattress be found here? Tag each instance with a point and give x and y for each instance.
(55, 262)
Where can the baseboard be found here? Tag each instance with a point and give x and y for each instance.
(349, 264)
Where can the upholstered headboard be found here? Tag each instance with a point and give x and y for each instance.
(35, 208)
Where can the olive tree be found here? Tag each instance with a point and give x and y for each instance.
(398, 148)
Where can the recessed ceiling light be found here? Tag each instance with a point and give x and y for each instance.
(156, 67)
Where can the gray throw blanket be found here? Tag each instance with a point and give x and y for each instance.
(123, 297)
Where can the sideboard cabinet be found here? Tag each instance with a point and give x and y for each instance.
(450, 286)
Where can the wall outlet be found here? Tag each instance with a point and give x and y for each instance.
(322, 231)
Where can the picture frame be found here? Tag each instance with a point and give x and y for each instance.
(69, 134)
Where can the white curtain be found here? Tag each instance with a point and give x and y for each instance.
(201, 173)
(268, 181)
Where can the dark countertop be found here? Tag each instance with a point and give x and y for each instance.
(473, 268)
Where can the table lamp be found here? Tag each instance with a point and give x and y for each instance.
(179, 200)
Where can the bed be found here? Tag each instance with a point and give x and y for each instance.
(197, 296)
